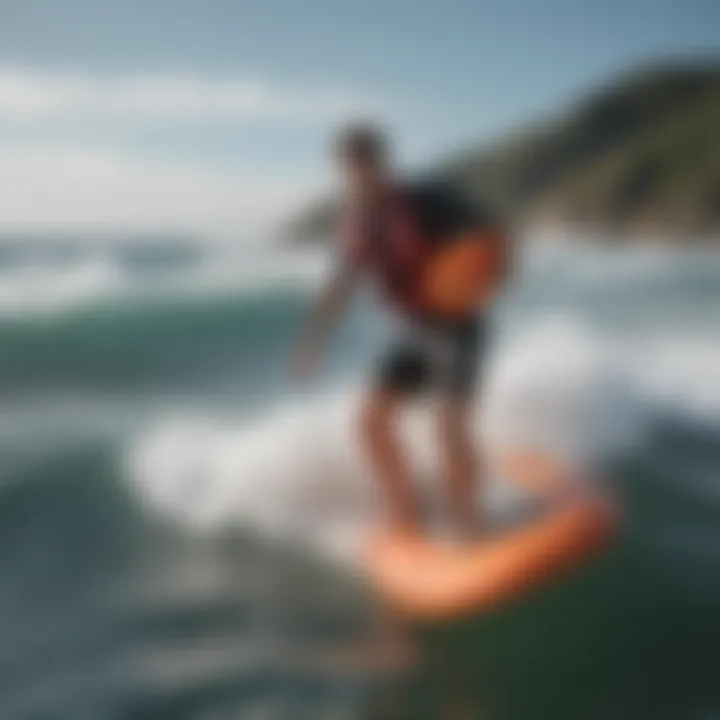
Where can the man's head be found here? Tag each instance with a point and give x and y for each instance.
(361, 150)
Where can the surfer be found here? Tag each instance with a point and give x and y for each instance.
(393, 231)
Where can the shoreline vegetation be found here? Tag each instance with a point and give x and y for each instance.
(637, 160)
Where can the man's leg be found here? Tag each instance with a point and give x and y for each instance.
(379, 430)
(459, 453)
(460, 458)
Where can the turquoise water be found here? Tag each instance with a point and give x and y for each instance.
(179, 523)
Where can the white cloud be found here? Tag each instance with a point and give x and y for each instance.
(28, 95)
(53, 186)
(48, 182)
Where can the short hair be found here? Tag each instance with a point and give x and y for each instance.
(362, 141)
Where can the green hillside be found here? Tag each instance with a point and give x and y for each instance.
(638, 156)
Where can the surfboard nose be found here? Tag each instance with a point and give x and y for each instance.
(427, 580)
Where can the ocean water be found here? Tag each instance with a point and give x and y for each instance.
(180, 523)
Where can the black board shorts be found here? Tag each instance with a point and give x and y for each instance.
(434, 357)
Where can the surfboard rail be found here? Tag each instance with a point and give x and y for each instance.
(423, 579)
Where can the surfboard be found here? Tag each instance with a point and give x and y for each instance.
(424, 579)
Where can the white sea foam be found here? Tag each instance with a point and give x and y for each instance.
(298, 473)
(557, 382)
(563, 390)
(294, 474)
(43, 287)
(683, 376)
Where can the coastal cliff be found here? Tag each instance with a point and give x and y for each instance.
(639, 156)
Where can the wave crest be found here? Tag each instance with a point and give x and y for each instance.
(298, 473)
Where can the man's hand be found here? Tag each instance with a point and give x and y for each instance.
(327, 310)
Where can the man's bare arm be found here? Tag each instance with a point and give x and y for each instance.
(327, 311)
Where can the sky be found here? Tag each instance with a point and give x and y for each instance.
(214, 116)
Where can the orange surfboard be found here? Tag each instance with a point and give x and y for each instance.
(423, 579)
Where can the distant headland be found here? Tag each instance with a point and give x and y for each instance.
(637, 157)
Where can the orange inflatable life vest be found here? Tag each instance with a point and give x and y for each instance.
(430, 252)
(464, 275)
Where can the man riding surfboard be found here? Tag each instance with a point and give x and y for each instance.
(396, 233)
